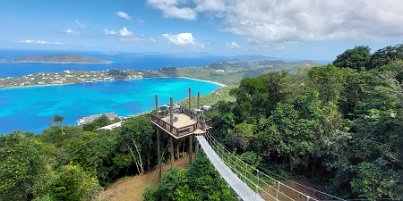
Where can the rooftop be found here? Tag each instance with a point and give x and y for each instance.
(86, 120)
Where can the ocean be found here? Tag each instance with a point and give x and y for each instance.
(120, 61)
(31, 109)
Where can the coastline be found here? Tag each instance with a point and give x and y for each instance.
(213, 82)
(50, 85)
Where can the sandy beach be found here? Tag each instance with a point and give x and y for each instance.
(49, 85)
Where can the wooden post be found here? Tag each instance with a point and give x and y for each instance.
(190, 98)
(190, 148)
(196, 147)
(177, 149)
(158, 140)
(171, 111)
(198, 100)
(171, 121)
(171, 142)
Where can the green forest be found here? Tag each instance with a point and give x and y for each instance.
(339, 126)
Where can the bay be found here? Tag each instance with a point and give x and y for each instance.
(31, 109)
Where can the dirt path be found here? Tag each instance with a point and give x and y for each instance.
(132, 188)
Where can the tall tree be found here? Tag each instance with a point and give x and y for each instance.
(57, 118)
(355, 58)
(137, 137)
(385, 55)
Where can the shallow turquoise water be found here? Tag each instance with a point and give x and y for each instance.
(31, 109)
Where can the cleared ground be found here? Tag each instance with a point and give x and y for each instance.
(132, 188)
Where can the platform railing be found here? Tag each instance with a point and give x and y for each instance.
(182, 130)
(171, 128)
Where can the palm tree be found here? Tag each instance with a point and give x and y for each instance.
(58, 118)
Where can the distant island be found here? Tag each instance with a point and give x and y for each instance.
(59, 59)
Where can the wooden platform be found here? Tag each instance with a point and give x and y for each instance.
(184, 123)
(181, 120)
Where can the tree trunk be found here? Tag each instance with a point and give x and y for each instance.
(140, 160)
(177, 149)
(62, 126)
(148, 163)
(134, 158)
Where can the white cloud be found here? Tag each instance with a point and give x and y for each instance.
(182, 39)
(173, 9)
(38, 42)
(138, 39)
(125, 35)
(110, 32)
(123, 15)
(71, 32)
(270, 21)
(80, 24)
(124, 32)
(233, 44)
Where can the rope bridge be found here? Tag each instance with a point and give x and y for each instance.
(250, 183)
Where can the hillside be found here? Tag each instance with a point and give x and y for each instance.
(231, 73)
(59, 59)
(132, 188)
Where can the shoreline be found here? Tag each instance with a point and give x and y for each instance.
(213, 82)
(50, 85)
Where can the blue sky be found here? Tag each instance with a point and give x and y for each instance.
(302, 29)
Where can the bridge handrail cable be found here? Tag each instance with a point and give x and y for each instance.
(217, 143)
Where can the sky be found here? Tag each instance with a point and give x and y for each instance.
(299, 29)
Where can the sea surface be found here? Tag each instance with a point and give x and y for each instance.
(120, 61)
(31, 108)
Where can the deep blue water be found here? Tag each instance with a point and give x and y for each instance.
(120, 61)
(32, 108)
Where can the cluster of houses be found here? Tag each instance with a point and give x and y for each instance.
(62, 78)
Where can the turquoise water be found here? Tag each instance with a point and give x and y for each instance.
(32, 108)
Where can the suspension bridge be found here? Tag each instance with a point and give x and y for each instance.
(248, 182)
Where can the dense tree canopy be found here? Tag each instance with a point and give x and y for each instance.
(24, 167)
(199, 182)
(343, 125)
(72, 183)
(355, 58)
(386, 55)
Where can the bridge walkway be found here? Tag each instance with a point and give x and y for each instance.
(240, 188)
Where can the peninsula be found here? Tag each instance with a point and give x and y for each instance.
(222, 72)
(58, 59)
